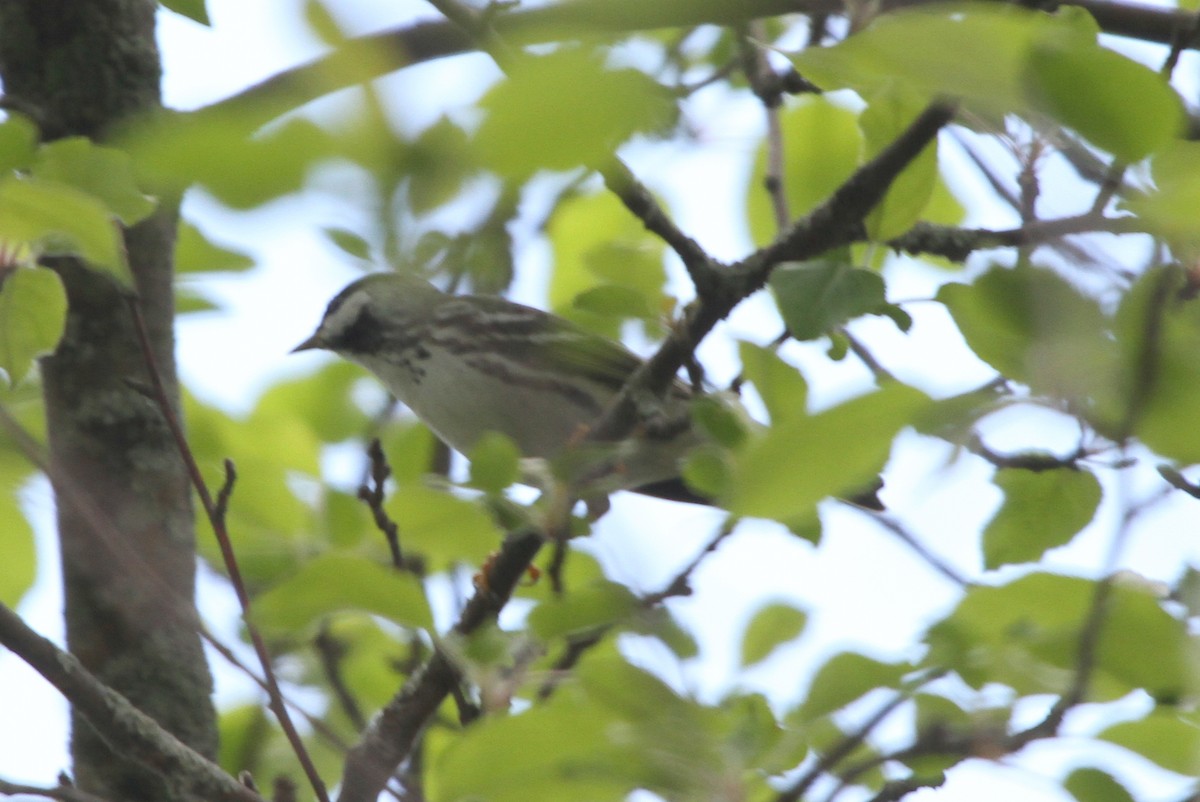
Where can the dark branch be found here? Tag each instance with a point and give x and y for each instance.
(128, 730)
(390, 737)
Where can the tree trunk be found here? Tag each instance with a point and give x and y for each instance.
(124, 511)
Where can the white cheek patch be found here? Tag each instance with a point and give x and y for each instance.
(345, 315)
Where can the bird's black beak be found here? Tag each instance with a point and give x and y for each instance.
(310, 344)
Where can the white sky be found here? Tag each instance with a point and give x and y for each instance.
(863, 589)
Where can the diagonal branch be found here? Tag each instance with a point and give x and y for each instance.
(390, 737)
(368, 57)
(128, 730)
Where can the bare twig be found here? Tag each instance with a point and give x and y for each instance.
(907, 538)
(330, 652)
(678, 586)
(372, 492)
(64, 792)
(215, 514)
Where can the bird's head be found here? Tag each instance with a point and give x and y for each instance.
(367, 314)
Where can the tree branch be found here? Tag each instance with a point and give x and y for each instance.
(126, 729)
(390, 737)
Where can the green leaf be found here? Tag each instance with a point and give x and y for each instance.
(843, 678)
(444, 529)
(610, 300)
(1166, 737)
(494, 463)
(582, 611)
(16, 535)
(823, 148)
(33, 315)
(723, 420)
(780, 385)
(56, 219)
(1041, 510)
(566, 748)
(772, 626)
(564, 110)
(335, 582)
(598, 243)
(1170, 209)
(105, 174)
(885, 118)
(195, 253)
(1158, 337)
(814, 297)
(349, 243)
(194, 10)
(438, 165)
(1035, 328)
(1094, 785)
(221, 151)
(804, 459)
(1117, 104)
(706, 469)
(18, 142)
(323, 401)
(1025, 634)
(935, 52)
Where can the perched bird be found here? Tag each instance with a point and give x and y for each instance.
(467, 365)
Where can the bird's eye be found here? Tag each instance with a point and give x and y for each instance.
(363, 336)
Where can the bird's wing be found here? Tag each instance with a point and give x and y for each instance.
(557, 344)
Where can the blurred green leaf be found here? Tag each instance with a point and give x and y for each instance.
(18, 142)
(349, 243)
(16, 535)
(1170, 209)
(441, 527)
(814, 297)
(1037, 329)
(438, 166)
(105, 174)
(1166, 736)
(56, 219)
(1041, 510)
(597, 243)
(1158, 334)
(886, 117)
(780, 385)
(772, 626)
(823, 146)
(1025, 634)
(843, 678)
(194, 10)
(804, 459)
(1095, 785)
(323, 401)
(494, 463)
(336, 581)
(223, 153)
(564, 110)
(935, 52)
(1119, 105)
(33, 315)
(196, 253)
(582, 611)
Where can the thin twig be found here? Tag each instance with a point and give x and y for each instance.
(372, 492)
(217, 520)
(64, 792)
(907, 538)
(680, 585)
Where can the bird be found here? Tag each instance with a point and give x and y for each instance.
(467, 365)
